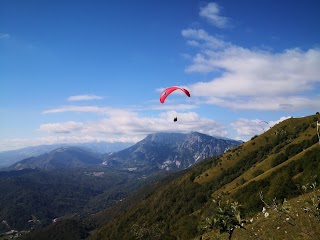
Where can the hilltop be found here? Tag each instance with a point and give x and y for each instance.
(10, 157)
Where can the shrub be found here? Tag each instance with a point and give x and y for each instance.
(280, 158)
(257, 172)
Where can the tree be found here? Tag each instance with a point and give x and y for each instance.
(224, 216)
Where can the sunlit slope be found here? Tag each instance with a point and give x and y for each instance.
(258, 155)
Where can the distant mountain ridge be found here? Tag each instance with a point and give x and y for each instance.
(157, 152)
(169, 151)
(63, 157)
(10, 157)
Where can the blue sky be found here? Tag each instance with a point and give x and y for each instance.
(76, 71)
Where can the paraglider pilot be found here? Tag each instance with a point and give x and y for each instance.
(169, 90)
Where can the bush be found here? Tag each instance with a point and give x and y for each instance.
(257, 172)
(280, 158)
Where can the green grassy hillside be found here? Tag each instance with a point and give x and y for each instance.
(276, 163)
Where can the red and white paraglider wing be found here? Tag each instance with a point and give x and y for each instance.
(165, 93)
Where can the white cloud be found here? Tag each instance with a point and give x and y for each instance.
(272, 123)
(130, 124)
(11, 144)
(211, 12)
(93, 109)
(253, 79)
(267, 103)
(66, 127)
(200, 38)
(247, 128)
(84, 97)
(88, 109)
(122, 129)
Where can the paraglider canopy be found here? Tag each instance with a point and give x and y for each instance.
(165, 93)
(263, 123)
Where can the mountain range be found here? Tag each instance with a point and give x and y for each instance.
(10, 157)
(160, 151)
(63, 157)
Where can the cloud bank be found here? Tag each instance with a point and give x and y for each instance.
(127, 123)
(254, 79)
(84, 97)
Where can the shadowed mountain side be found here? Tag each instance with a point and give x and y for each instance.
(64, 157)
(8, 158)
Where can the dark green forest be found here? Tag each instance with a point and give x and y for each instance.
(33, 197)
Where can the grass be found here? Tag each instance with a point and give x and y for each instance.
(230, 158)
(295, 224)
